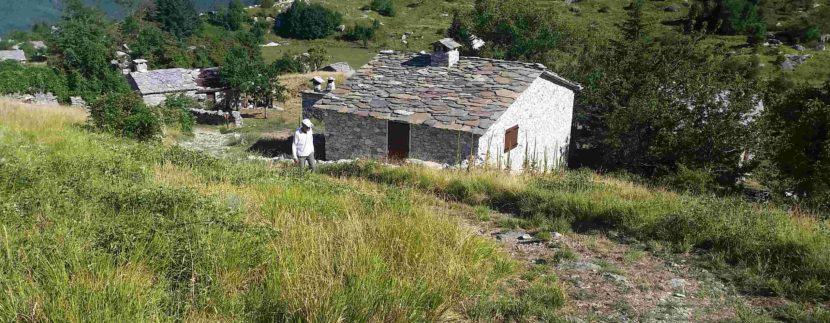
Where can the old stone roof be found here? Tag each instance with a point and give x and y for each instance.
(15, 55)
(174, 80)
(341, 67)
(469, 96)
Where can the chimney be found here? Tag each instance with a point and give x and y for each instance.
(444, 53)
(140, 65)
(317, 84)
(330, 86)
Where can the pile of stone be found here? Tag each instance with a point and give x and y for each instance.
(217, 117)
(38, 98)
(77, 101)
(791, 61)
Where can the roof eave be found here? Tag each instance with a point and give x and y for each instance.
(557, 79)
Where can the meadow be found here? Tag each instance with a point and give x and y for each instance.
(98, 228)
(763, 249)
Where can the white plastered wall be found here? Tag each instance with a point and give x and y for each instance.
(544, 113)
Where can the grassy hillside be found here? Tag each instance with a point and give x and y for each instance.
(595, 19)
(767, 251)
(95, 228)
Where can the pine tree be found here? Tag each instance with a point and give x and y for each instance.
(178, 17)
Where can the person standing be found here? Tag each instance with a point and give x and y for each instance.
(303, 145)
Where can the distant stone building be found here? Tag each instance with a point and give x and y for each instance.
(339, 67)
(445, 108)
(13, 55)
(155, 86)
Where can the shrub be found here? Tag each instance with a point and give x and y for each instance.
(17, 78)
(176, 111)
(126, 115)
(362, 33)
(307, 21)
(384, 7)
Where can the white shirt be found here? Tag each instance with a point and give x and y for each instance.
(303, 145)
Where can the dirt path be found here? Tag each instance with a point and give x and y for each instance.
(608, 281)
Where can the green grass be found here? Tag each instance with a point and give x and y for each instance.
(97, 228)
(764, 249)
(338, 51)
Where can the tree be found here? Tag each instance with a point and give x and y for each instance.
(178, 17)
(245, 73)
(80, 50)
(729, 17)
(653, 107)
(316, 57)
(384, 7)
(514, 30)
(362, 33)
(795, 145)
(235, 15)
(307, 21)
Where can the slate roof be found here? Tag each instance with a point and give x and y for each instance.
(174, 80)
(341, 67)
(15, 55)
(469, 96)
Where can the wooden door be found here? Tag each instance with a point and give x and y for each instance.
(398, 140)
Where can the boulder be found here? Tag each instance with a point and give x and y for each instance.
(799, 47)
(341, 28)
(791, 61)
(672, 8)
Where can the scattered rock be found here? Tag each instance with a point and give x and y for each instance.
(791, 61)
(617, 279)
(525, 237)
(672, 8)
(579, 266)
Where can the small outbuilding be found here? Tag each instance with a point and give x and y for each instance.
(155, 86)
(445, 108)
(339, 67)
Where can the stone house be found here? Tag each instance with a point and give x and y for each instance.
(13, 55)
(339, 67)
(445, 108)
(155, 86)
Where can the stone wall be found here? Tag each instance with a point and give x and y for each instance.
(350, 136)
(544, 113)
(441, 145)
(309, 99)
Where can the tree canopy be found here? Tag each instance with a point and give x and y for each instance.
(178, 17)
(307, 21)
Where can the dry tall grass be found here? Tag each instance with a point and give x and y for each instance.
(23, 116)
(97, 228)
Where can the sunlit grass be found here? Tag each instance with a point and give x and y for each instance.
(97, 228)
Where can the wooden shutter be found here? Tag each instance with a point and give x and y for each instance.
(511, 138)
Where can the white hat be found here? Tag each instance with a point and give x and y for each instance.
(308, 123)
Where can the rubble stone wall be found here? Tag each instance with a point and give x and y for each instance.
(350, 136)
(441, 145)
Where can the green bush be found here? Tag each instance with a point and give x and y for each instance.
(384, 7)
(176, 111)
(126, 115)
(307, 21)
(17, 78)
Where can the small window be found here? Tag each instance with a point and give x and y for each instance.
(511, 138)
